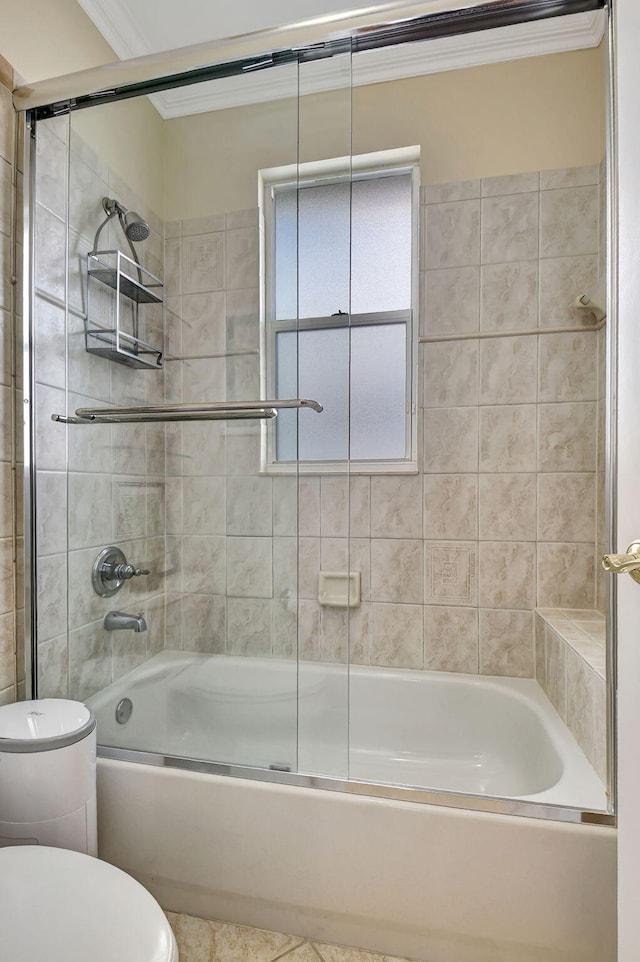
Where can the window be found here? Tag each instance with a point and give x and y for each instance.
(340, 280)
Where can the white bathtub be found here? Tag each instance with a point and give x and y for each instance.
(427, 882)
(430, 730)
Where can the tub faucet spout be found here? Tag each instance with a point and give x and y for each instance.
(119, 620)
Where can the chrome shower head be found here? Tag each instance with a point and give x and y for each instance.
(135, 228)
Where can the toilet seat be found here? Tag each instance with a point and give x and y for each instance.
(57, 905)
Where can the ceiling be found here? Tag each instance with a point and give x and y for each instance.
(136, 28)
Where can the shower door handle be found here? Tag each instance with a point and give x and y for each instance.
(618, 564)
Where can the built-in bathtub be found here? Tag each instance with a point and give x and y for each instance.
(429, 730)
(429, 882)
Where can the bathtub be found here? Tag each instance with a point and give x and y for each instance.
(425, 730)
(433, 882)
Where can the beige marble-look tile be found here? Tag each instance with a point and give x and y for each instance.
(203, 450)
(539, 628)
(556, 671)
(195, 938)
(285, 506)
(249, 626)
(204, 323)
(508, 438)
(308, 629)
(508, 369)
(450, 300)
(569, 177)
(203, 225)
(308, 566)
(509, 296)
(450, 374)
(396, 635)
(507, 507)
(250, 506)
(53, 666)
(249, 568)
(509, 228)
(450, 506)
(566, 507)
(239, 943)
(396, 506)
(89, 660)
(580, 706)
(204, 564)
(566, 575)
(451, 639)
(569, 221)
(600, 728)
(309, 507)
(203, 263)
(567, 367)
(446, 193)
(562, 281)
(397, 570)
(451, 440)
(567, 436)
(204, 506)
(506, 643)
(204, 622)
(451, 576)
(243, 319)
(507, 572)
(510, 184)
(173, 266)
(241, 258)
(345, 507)
(91, 521)
(453, 234)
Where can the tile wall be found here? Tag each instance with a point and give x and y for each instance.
(11, 595)
(501, 516)
(99, 484)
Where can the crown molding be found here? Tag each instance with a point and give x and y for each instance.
(516, 42)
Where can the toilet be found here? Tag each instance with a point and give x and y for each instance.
(58, 905)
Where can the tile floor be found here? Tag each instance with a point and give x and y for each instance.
(202, 941)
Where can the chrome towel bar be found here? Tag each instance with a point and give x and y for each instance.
(206, 411)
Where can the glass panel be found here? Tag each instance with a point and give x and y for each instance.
(378, 395)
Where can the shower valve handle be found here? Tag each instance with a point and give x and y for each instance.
(618, 564)
(123, 572)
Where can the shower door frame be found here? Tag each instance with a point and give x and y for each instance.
(42, 109)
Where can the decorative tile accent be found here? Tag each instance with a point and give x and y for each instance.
(203, 258)
(450, 573)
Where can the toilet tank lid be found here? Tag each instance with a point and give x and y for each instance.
(44, 725)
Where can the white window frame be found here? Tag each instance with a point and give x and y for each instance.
(406, 160)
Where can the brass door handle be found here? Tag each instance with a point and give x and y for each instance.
(618, 564)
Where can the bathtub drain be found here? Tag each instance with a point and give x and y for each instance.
(123, 711)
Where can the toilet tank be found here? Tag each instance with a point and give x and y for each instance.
(48, 775)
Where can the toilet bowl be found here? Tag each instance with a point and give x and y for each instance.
(57, 905)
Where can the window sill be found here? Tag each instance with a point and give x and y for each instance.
(294, 468)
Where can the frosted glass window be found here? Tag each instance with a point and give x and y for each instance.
(358, 375)
(328, 233)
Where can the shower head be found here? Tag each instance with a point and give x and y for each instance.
(134, 227)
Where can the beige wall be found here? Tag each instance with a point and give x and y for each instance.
(536, 114)
(42, 39)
